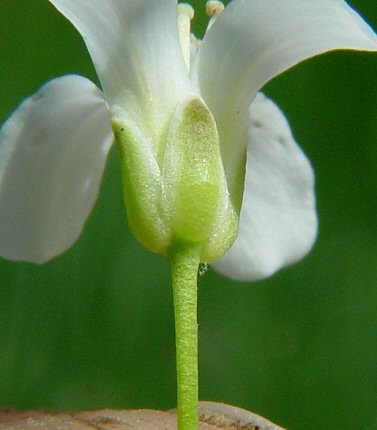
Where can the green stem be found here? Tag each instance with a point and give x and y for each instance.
(184, 266)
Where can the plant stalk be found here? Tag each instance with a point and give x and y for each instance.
(184, 266)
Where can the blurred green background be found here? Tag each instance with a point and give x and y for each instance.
(94, 327)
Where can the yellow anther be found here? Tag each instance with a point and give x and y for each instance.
(214, 7)
(186, 9)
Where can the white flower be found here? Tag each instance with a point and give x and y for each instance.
(53, 148)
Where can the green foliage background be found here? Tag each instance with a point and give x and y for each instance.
(94, 327)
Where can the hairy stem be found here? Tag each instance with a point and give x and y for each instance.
(184, 266)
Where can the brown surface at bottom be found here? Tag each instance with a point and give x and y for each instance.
(213, 416)
(105, 419)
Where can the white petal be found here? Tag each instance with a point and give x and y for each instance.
(53, 151)
(278, 222)
(135, 48)
(255, 40)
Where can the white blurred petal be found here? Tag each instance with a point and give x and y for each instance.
(135, 48)
(255, 40)
(53, 151)
(278, 222)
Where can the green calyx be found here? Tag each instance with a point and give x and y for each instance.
(183, 195)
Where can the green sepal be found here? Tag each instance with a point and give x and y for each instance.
(179, 191)
(191, 179)
(195, 200)
(141, 187)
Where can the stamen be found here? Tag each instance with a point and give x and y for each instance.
(185, 15)
(214, 9)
